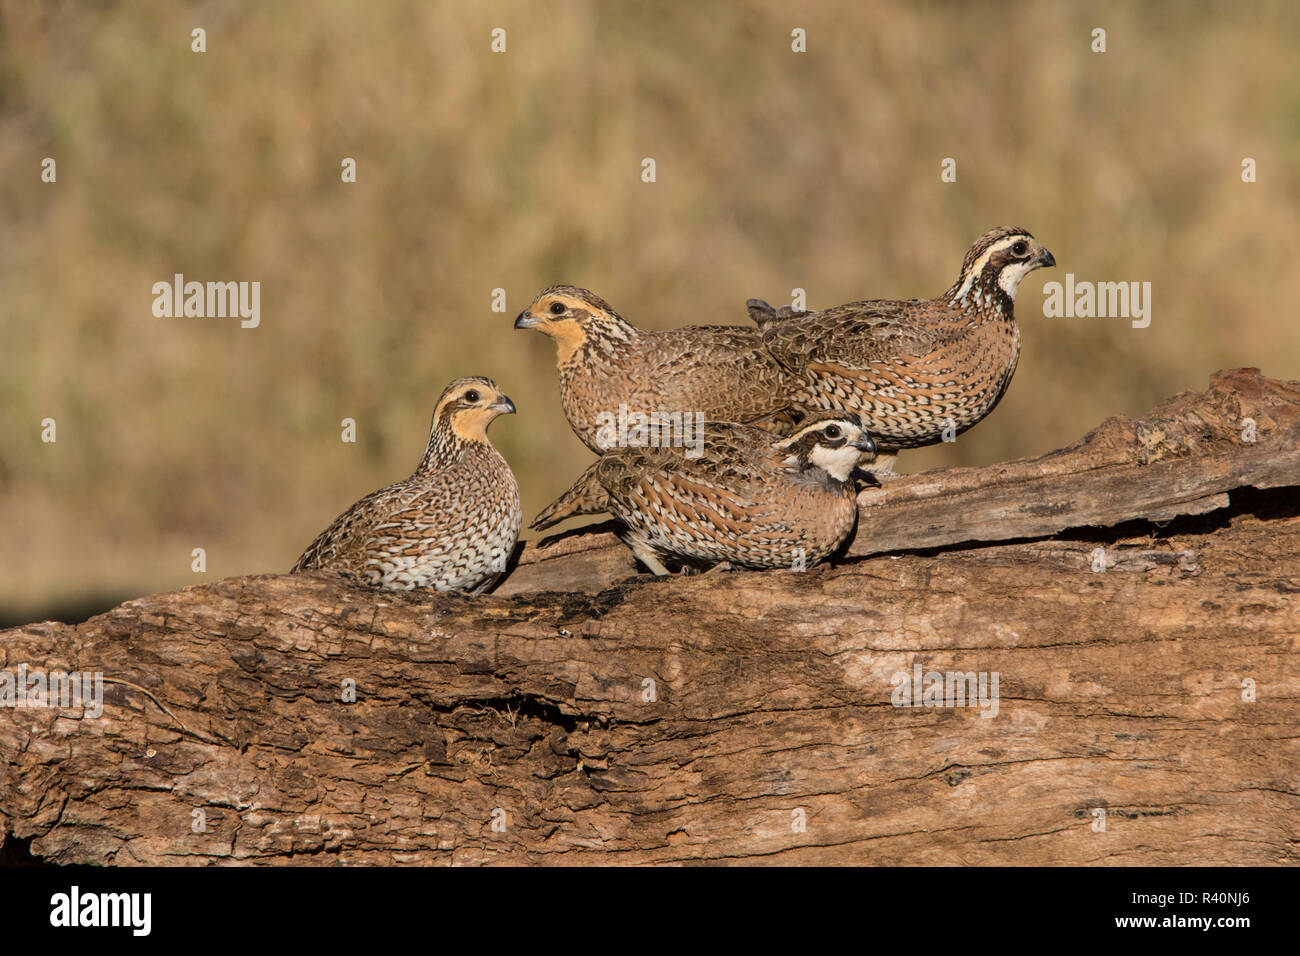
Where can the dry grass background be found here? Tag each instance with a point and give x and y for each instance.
(479, 170)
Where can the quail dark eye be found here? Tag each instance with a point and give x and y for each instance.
(471, 396)
(557, 308)
(831, 431)
(1020, 248)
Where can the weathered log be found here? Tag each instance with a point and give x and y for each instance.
(1182, 458)
(1146, 707)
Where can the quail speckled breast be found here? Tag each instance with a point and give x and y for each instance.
(452, 525)
(719, 372)
(915, 368)
(749, 498)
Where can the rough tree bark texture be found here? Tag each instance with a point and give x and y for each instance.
(1146, 710)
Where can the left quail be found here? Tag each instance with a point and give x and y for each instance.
(750, 498)
(452, 525)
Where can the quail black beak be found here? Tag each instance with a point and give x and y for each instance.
(865, 445)
(525, 320)
(504, 405)
(1045, 260)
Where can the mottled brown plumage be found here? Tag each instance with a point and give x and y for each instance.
(749, 498)
(914, 368)
(452, 525)
(609, 368)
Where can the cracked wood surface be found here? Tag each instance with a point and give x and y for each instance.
(770, 735)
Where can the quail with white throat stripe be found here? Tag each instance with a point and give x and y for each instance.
(917, 369)
(750, 499)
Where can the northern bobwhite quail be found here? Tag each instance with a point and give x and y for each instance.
(751, 499)
(912, 369)
(609, 369)
(452, 525)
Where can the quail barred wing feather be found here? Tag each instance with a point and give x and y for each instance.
(689, 500)
(343, 541)
(852, 335)
(730, 455)
(427, 537)
(722, 372)
(658, 477)
(386, 532)
(885, 360)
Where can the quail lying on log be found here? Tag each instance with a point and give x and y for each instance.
(748, 498)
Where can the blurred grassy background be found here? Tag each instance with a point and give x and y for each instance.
(479, 170)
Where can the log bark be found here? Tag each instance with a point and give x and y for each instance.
(1136, 595)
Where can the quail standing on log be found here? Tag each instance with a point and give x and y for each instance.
(609, 368)
(912, 370)
(452, 525)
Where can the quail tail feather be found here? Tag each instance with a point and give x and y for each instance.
(586, 497)
(762, 314)
(760, 311)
